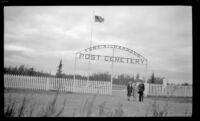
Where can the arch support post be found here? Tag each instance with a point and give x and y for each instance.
(74, 82)
(146, 91)
(111, 80)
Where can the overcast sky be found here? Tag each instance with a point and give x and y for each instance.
(40, 36)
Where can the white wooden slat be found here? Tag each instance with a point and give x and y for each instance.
(10, 82)
(38, 83)
(61, 82)
(42, 83)
(34, 81)
(15, 81)
(23, 82)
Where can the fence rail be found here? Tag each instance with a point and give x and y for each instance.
(170, 90)
(60, 84)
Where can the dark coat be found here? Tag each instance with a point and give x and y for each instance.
(129, 90)
(141, 88)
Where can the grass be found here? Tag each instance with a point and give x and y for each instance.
(102, 109)
(32, 109)
(119, 111)
(158, 112)
(92, 106)
(10, 111)
(22, 108)
(88, 109)
(49, 110)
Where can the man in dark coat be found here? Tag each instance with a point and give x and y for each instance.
(141, 91)
(129, 90)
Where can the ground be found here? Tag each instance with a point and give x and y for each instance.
(75, 103)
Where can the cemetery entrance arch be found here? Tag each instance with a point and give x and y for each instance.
(136, 58)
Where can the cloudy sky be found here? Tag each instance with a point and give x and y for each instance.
(40, 36)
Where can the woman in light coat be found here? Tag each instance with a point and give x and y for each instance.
(134, 90)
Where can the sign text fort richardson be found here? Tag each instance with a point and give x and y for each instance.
(139, 60)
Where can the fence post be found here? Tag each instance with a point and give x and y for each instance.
(64, 84)
(32, 84)
(99, 90)
(5, 81)
(47, 83)
(74, 86)
(43, 83)
(13, 82)
(107, 89)
(35, 83)
(185, 91)
(10, 84)
(39, 85)
(61, 81)
(10, 78)
(146, 91)
(17, 82)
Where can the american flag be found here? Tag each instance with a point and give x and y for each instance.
(99, 19)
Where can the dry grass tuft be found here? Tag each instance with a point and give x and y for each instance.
(22, 108)
(48, 111)
(102, 110)
(119, 111)
(157, 112)
(10, 111)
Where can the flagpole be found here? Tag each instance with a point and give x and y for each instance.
(90, 47)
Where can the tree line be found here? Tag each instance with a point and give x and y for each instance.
(119, 79)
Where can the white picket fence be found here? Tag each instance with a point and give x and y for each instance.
(61, 84)
(169, 90)
(81, 86)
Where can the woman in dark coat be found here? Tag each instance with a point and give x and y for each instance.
(129, 90)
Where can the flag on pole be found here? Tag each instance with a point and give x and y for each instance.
(99, 19)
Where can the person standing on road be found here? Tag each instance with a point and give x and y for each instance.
(129, 90)
(134, 90)
(141, 91)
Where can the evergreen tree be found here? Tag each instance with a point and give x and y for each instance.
(59, 71)
(137, 77)
(133, 78)
(152, 79)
